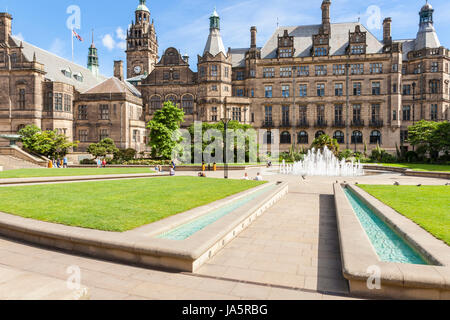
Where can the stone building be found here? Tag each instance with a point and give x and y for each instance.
(333, 78)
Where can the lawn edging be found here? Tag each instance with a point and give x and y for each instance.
(142, 248)
(398, 281)
(409, 172)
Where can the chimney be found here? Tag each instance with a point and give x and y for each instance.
(253, 32)
(387, 39)
(326, 16)
(5, 26)
(118, 70)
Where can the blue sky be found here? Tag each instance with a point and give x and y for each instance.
(184, 23)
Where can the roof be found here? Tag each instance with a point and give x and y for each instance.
(238, 57)
(53, 66)
(408, 45)
(214, 45)
(113, 85)
(303, 40)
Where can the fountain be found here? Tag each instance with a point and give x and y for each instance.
(323, 163)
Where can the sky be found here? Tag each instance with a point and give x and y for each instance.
(184, 24)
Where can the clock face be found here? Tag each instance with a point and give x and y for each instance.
(137, 69)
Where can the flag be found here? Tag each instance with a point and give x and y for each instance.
(76, 35)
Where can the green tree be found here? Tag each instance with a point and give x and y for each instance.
(433, 136)
(326, 141)
(103, 148)
(47, 143)
(163, 127)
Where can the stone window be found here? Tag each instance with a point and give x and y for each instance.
(406, 113)
(320, 52)
(82, 113)
(240, 76)
(338, 69)
(285, 91)
(394, 67)
(375, 116)
(434, 112)
(239, 92)
(285, 115)
(394, 115)
(214, 87)
(268, 72)
(358, 49)
(376, 88)
(303, 115)
(319, 134)
(48, 105)
(83, 135)
(22, 99)
(357, 68)
(406, 89)
(214, 72)
(321, 70)
(155, 104)
(434, 86)
(338, 89)
(187, 103)
(338, 114)
(237, 114)
(104, 112)
(227, 72)
(136, 136)
(376, 68)
(58, 102)
(268, 91)
(321, 114)
(303, 90)
(320, 89)
(285, 72)
(434, 67)
(268, 115)
(303, 137)
(339, 136)
(104, 134)
(67, 103)
(303, 71)
(375, 137)
(356, 113)
(285, 53)
(285, 138)
(357, 88)
(404, 134)
(357, 137)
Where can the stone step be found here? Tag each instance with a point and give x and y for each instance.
(12, 163)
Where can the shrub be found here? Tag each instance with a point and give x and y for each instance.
(87, 161)
(411, 156)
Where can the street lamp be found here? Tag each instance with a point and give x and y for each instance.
(225, 122)
(414, 107)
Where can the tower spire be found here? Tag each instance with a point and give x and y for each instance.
(214, 45)
(93, 64)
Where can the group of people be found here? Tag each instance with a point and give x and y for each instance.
(101, 163)
(58, 163)
(257, 178)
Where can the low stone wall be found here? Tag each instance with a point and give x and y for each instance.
(18, 153)
(142, 246)
(409, 172)
(398, 281)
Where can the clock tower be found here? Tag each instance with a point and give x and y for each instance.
(142, 43)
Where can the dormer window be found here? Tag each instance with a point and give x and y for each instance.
(358, 49)
(78, 76)
(286, 46)
(285, 53)
(67, 72)
(320, 52)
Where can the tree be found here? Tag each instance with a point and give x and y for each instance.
(47, 143)
(432, 136)
(103, 148)
(326, 141)
(162, 128)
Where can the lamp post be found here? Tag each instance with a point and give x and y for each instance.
(294, 125)
(347, 105)
(225, 122)
(414, 107)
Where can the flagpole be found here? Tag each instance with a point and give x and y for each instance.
(71, 33)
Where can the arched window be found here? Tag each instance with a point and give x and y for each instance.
(339, 136)
(357, 137)
(303, 137)
(172, 98)
(285, 138)
(319, 134)
(187, 103)
(20, 127)
(268, 137)
(155, 104)
(375, 137)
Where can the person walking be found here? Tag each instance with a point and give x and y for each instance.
(65, 162)
(99, 163)
(104, 163)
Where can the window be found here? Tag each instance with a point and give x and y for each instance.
(356, 113)
(338, 89)
(418, 69)
(339, 136)
(285, 138)
(136, 136)
(13, 58)
(104, 134)
(406, 89)
(78, 77)
(406, 113)
(252, 93)
(104, 112)
(285, 115)
(237, 114)
(303, 137)
(338, 114)
(357, 137)
(214, 118)
(319, 134)
(375, 113)
(376, 88)
(285, 91)
(58, 102)
(214, 72)
(338, 69)
(166, 76)
(394, 115)
(67, 103)
(357, 68)
(239, 92)
(48, 106)
(357, 88)
(375, 137)
(187, 103)
(320, 52)
(321, 114)
(2, 57)
(268, 115)
(303, 115)
(285, 72)
(22, 99)
(321, 90)
(321, 70)
(358, 49)
(268, 72)
(268, 137)
(434, 67)
(395, 67)
(175, 76)
(82, 113)
(252, 73)
(227, 72)
(155, 103)
(202, 71)
(376, 68)
(285, 53)
(434, 86)
(83, 135)
(214, 87)
(67, 72)
(404, 136)
(303, 71)
(303, 90)
(240, 75)
(268, 91)
(394, 88)
(434, 112)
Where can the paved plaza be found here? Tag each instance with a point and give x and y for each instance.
(290, 252)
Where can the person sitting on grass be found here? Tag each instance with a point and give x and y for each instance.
(258, 177)
(245, 177)
(202, 174)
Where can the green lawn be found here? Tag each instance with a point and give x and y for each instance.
(428, 206)
(420, 167)
(35, 173)
(116, 205)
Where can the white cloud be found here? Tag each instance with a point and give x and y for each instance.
(109, 42)
(58, 47)
(120, 34)
(19, 36)
(122, 45)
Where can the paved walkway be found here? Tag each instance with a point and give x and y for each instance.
(293, 245)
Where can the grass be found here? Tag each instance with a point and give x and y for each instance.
(39, 173)
(428, 206)
(420, 167)
(116, 205)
